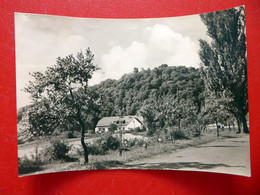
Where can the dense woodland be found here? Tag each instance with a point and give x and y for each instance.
(150, 93)
(136, 89)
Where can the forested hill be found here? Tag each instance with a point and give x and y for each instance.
(132, 92)
(128, 94)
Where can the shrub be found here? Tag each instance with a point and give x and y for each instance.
(112, 142)
(136, 142)
(105, 164)
(112, 128)
(91, 131)
(27, 165)
(97, 149)
(102, 145)
(20, 141)
(70, 135)
(58, 150)
(139, 129)
(177, 135)
(196, 133)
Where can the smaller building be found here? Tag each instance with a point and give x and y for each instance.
(125, 123)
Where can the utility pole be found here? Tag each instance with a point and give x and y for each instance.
(121, 138)
(121, 133)
(179, 121)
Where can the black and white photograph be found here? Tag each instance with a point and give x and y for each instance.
(150, 93)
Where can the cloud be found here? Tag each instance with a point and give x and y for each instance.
(122, 60)
(161, 45)
(38, 44)
(118, 45)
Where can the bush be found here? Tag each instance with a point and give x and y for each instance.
(58, 150)
(139, 129)
(102, 145)
(20, 141)
(105, 164)
(97, 149)
(111, 142)
(178, 135)
(112, 128)
(136, 142)
(196, 133)
(70, 135)
(27, 165)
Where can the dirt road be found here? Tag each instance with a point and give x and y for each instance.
(229, 155)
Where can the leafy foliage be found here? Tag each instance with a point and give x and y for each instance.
(112, 127)
(129, 93)
(158, 95)
(27, 165)
(58, 150)
(224, 61)
(61, 96)
(103, 144)
(70, 135)
(152, 94)
(111, 142)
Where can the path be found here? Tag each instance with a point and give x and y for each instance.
(230, 155)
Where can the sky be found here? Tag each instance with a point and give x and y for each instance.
(119, 45)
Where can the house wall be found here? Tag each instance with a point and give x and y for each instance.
(101, 129)
(133, 124)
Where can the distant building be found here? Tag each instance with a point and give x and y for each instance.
(125, 123)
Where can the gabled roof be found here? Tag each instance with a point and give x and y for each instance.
(106, 121)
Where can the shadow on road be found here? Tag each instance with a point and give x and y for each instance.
(217, 146)
(177, 165)
(240, 141)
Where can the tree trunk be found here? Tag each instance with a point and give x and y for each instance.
(84, 146)
(120, 149)
(83, 129)
(172, 136)
(244, 122)
(238, 125)
(217, 128)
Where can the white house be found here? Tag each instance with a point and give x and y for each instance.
(125, 123)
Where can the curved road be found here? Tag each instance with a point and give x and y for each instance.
(229, 155)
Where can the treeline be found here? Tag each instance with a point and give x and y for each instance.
(129, 94)
(160, 95)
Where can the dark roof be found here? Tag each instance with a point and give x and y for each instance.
(106, 121)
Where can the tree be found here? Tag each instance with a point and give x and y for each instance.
(215, 111)
(112, 127)
(224, 60)
(41, 119)
(136, 70)
(147, 111)
(62, 92)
